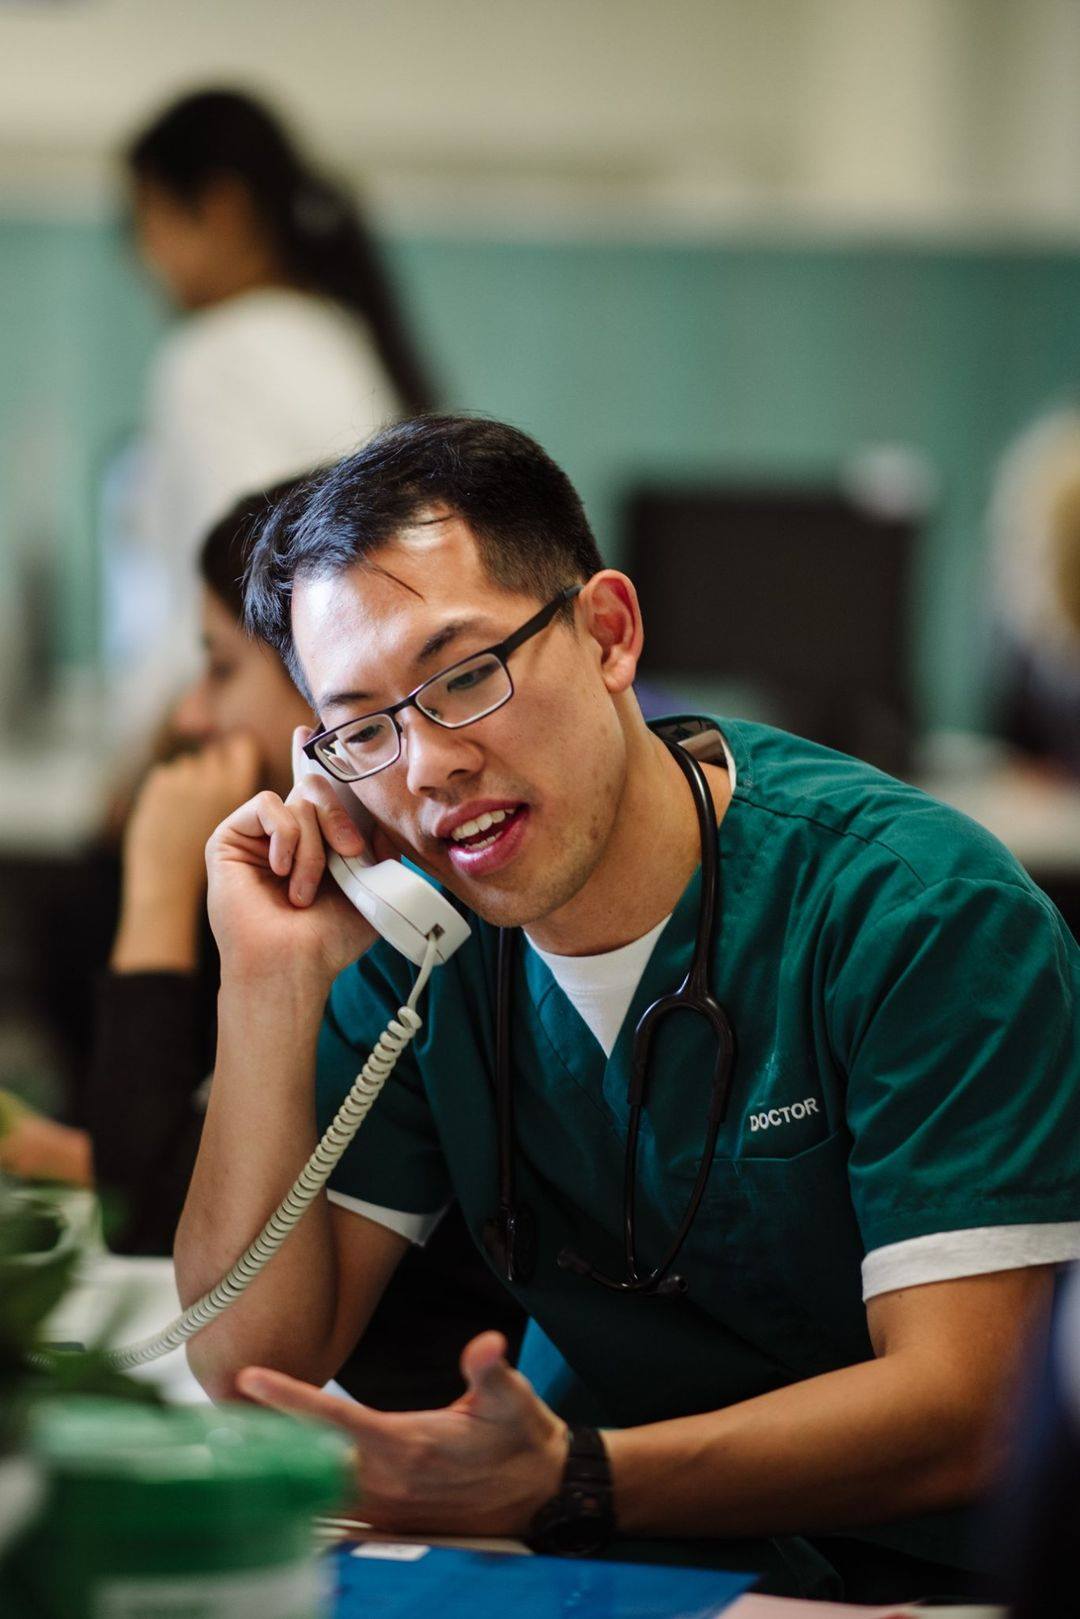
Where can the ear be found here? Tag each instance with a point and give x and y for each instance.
(612, 617)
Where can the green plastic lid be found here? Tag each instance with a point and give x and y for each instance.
(201, 1467)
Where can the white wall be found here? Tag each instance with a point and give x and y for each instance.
(906, 114)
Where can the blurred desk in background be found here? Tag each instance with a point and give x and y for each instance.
(1037, 820)
(119, 1300)
(1036, 816)
(116, 1300)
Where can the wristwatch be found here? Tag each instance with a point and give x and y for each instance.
(580, 1517)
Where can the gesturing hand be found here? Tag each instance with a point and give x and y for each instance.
(482, 1465)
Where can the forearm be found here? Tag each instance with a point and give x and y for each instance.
(866, 1444)
(259, 1133)
(158, 929)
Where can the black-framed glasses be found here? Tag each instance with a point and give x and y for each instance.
(466, 692)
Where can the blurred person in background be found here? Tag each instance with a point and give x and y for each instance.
(156, 1025)
(229, 731)
(1035, 534)
(292, 349)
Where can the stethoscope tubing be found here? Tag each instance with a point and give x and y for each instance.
(512, 1232)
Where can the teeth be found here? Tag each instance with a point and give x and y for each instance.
(469, 829)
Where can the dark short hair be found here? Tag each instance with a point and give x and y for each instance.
(531, 530)
(226, 550)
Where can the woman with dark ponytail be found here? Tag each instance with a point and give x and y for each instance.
(293, 349)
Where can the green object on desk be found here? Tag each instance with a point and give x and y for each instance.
(12, 1109)
(197, 1511)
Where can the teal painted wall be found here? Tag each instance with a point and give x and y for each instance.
(626, 361)
(76, 328)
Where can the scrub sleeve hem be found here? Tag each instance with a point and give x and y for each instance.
(976, 1251)
(416, 1227)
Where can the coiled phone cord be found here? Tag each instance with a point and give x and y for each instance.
(401, 1029)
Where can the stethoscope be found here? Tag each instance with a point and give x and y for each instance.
(510, 1234)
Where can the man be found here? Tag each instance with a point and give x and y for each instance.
(895, 1174)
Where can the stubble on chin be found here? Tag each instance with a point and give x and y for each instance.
(559, 881)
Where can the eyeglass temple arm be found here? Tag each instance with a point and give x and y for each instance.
(538, 621)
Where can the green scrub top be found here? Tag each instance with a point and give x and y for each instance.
(907, 1063)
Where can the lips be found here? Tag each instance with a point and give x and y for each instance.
(488, 841)
(456, 821)
(473, 834)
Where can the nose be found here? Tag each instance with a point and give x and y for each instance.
(192, 718)
(434, 756)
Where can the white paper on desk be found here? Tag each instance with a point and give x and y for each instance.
(336, 1530)
(391, 1551)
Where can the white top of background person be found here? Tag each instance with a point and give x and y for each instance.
(291, 351)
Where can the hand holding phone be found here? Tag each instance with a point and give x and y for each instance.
(400, 904)
(250, 856)
(274, 918)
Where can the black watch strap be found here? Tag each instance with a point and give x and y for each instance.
(580, 1518)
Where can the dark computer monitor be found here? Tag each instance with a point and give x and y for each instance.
(797, 596)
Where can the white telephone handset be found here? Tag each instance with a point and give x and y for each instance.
(406, 910)
(414, 918)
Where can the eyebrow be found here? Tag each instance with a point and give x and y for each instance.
(437, 642)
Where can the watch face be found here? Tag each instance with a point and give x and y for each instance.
(580, 1518)
(582, 1536)
(576, 1522)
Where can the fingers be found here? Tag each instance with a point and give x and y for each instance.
(335, 825)
(264, 817)
(214, 779)
(300, 1399)
(296, 833)
(309, 857)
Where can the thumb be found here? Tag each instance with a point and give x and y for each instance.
(494, 1387)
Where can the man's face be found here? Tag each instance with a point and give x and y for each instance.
(549, 765)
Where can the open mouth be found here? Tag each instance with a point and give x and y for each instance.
(488, 841)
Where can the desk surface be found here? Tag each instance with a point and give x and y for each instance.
(750, 1606)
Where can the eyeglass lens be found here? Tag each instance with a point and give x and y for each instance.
(459, 695)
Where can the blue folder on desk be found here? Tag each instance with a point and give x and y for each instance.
(439, 1583)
